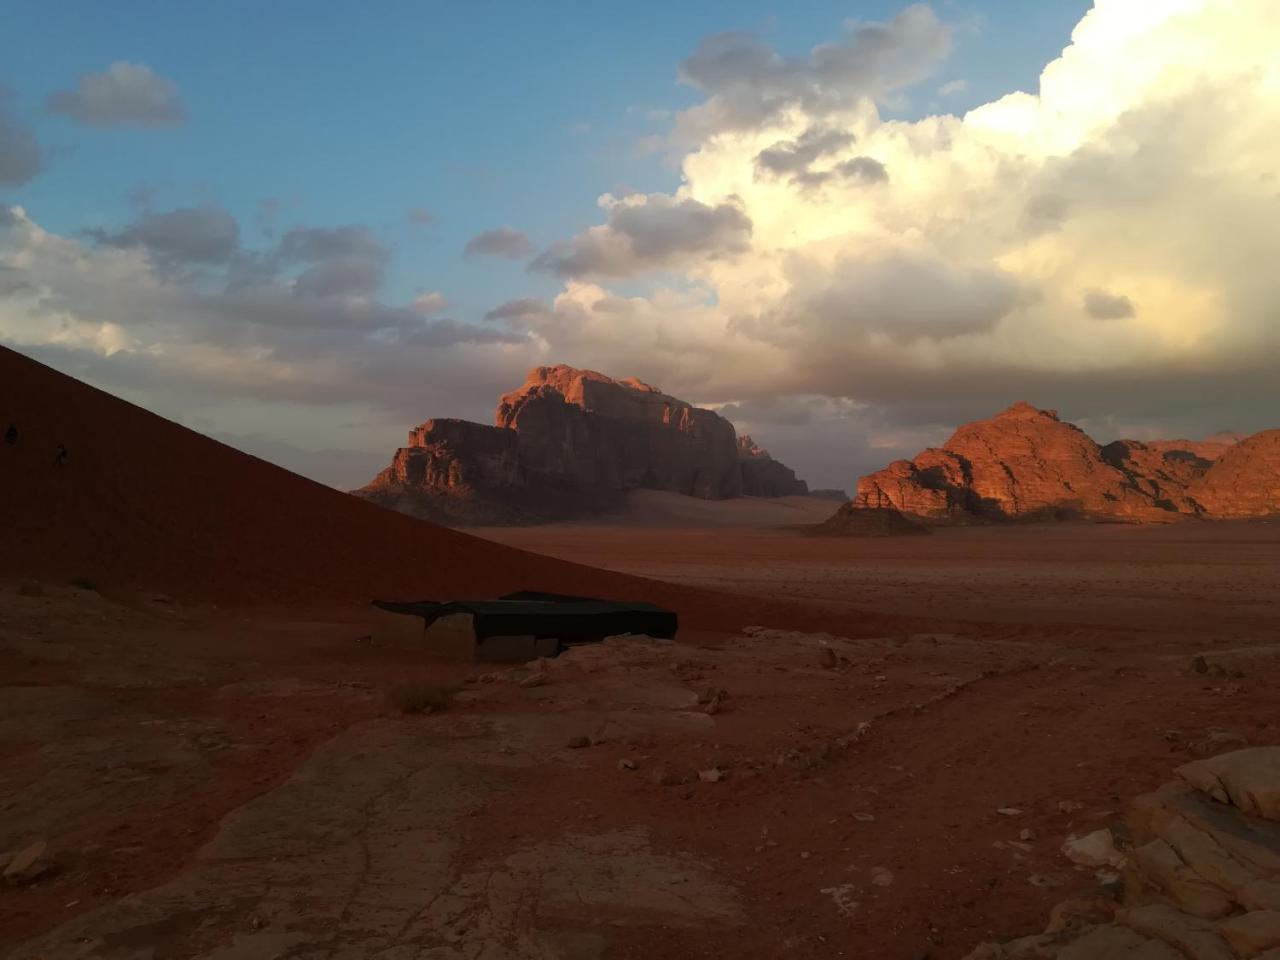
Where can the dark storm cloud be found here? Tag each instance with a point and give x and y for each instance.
(20, 155)
(502, 242)
(123, 95)
(748, 83)
(661, 231)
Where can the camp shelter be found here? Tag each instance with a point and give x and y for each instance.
(516, 627)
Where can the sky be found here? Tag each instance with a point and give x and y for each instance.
(305, 228)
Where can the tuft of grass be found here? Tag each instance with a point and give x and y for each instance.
(84, 583)
(418, 697)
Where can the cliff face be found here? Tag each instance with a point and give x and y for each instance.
(763, 476)
(573, 441)
(1026, 464)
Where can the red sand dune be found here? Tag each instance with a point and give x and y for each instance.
(144, 504)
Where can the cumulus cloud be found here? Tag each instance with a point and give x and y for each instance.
(20, 155)
(935, 270)
(644, 232)
(1102, 305)
(502, 242)
(748, 84)
(515, 310)
(953, 87)
(124, 95)
(428, 303)
(110, 313)
(205, 234)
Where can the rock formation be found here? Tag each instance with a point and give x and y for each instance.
(854, 521)
(570, 442)
(1026, 464)
(1244, 481)
(1201, 872)
(763, 476)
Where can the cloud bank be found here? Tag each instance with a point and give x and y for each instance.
(123, 95)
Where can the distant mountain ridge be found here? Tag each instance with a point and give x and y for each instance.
(1027, 464)
(571, 442)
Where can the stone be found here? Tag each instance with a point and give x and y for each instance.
(1078, 913)
(882, 876)
(577, 743)
(1069, 806)
(534, 680)
(1247, 779)
(1096, 849)
(853, 520)
(763, 476)
(827, 657)
(571, 442)
(1026, 834)
(714, 775)
(1009, 811)
(1027, 464)
(664, 775)
(28, 864)
(625, 764)
(1252, 933)
(1157, 867)
(1244, 481)
(1193, 937)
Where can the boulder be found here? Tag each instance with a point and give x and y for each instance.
(1247, 779)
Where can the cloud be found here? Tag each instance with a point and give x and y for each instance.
(123, 95)
(953, 87)
(514, 310)
(20, 155)
(502, 242)
(206, 234)
(420, 216)
(645, 232)
(1107, 306)
(935, 270)
(428, 303)
(749, 84)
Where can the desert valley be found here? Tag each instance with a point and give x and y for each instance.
(739, 481)
(857, 745)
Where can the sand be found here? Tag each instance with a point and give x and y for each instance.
(208, 742)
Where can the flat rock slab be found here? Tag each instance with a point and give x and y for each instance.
(358, 855)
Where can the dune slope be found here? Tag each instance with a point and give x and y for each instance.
(142, 503)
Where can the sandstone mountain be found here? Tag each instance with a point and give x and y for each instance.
(571, 442)
(1026, 464)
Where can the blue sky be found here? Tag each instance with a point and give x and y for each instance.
(484, 114)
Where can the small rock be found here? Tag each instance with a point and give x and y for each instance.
(1095, 849)
(1026, 834)
(882, 876)
(713, 775)
(577, 743)
(713, 693)
(805, 854)
(713, 706)
(665, 776)
(625, 764)
(28, 864)
(1199, 665)
(1076, 913)
(864, 817)
(1040, 880)
(1069, 806)
(827, 657)
(534, 680)
(1009, 811)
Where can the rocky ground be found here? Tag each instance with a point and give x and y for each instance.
(225, 783)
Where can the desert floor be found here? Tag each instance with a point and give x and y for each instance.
(235, 783)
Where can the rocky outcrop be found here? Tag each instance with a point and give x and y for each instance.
(1245, 480)
(1027, 464)
(570, 442)
(854, 521)
(763, 476)
(1201, 873)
